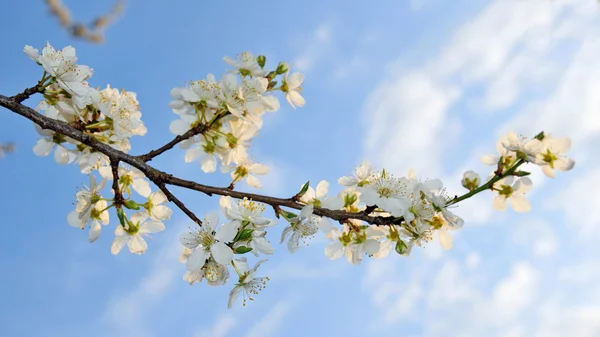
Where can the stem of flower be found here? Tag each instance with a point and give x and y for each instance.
(487, 185)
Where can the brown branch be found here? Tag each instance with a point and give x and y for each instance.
(6, 148)
(114, 164)
(93, 32)
(20, 97)
(159, 177)
(179, 204)
(201, 128)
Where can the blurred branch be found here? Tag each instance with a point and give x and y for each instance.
(6, 149)
(93, 32)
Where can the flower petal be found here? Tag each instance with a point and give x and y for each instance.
(95, 230)
(142, 187)
(208, 164)
(322, 189)
(445, 239)
(499, 203)
(197, 259)
(43, 147)
(253, 181)
(227, 232)
(161, 212)
(519, 203)
(152, 226)
(137, 244)
(118, 244)
(221, 253)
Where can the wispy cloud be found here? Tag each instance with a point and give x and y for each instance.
(315, 47)
(271, 321)
(221, 328)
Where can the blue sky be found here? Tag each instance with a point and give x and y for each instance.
(426, 84)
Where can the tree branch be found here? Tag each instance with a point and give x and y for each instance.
(201, 128)
(114, 164)
(159, 177)
(179, 204)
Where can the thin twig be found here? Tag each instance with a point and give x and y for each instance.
(114, 164)
(179, 204)
(201, 128)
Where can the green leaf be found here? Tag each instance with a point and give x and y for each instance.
(303, 190)
(288, 215)
(245, 234)
(521, 173)
(242, 250)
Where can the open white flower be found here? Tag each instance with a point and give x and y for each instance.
(134, 234)
(248, 284)
(246, 64)
(525, 149)
(86, 199)
(514, 191)
(292, 86)
(123, 109)
(351, 242)
(247, 169)
(214, 273)
(99, 216)
(208, 241)
(245, 210)
(155, 208)
(390, 194)
(552, 155)
(207, 151)
(303, 227)
(70, 76)
(440, 202)
(319, 197)
(128, 177)
(238, 142)
(508, 157)
(443, 228)
(362, 175)
(427, 187)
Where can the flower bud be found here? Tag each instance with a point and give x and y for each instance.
(470, 180)
(401, 247)
(282, 68)
(261, 60)
(131, 205)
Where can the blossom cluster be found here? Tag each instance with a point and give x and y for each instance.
(228, 113)
(415, 210)
(378, 212)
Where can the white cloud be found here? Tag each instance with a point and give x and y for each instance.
(221, 328)
(315, 48)
(272, 321)
(532, 65)
(127, 312)
(580, 206)
(538, 235)
(510, 48)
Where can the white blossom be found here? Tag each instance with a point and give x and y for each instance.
(133, 234)
(208, 241)
(513, 190)
(552, 155)
(248, 284)
(292, 86)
